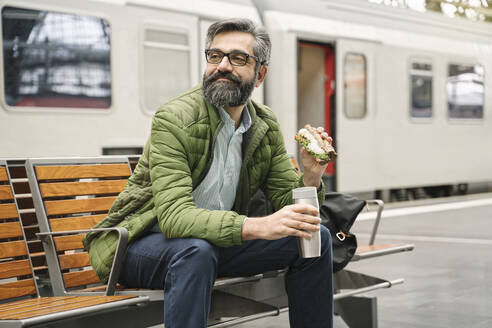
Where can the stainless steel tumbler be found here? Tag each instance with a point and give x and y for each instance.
(308, 247)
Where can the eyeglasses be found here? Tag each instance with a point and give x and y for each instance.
(236, 58)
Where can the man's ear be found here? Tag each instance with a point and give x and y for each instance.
(261, 75)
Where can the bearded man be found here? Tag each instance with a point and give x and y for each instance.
(186, 205)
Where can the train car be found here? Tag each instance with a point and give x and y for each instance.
(83, 78)
(406, 95)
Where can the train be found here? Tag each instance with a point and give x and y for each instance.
(405, 95)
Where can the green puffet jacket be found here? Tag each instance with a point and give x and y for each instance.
(175, 160)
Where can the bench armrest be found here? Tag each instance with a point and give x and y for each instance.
(380, 204)
(118, 256)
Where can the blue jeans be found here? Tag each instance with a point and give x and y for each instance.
(186, 269)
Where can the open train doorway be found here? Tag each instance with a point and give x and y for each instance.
(316, 93)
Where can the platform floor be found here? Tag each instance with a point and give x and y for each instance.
(448, 277)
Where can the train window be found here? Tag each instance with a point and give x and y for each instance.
(421, 89)
(166, 66)
(465, 90)
(52, 59)
(355, 87)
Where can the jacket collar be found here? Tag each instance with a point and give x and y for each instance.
(252, 137)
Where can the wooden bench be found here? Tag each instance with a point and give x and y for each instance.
(27, 216)
(70, 196)
(20, 304)
(75, 193)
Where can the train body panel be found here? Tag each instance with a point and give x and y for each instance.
(438, 150)
(148, 41)
(407, 96)
(383, 146)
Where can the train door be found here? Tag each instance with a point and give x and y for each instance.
(315, 89)
(356, 116)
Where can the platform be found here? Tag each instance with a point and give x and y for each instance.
(447, 277)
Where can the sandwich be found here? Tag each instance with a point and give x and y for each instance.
(310, 138)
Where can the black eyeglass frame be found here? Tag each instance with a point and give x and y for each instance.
(226, 54)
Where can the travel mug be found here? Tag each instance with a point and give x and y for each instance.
(308, 247)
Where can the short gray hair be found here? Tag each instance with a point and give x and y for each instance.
(262, 46)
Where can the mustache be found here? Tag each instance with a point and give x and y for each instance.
(224, 75)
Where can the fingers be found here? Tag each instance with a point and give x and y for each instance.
(302, 218)
(324, 134)
(302, 226)
(305, 219)
(293, 220)
(311, 210)
(297, 233)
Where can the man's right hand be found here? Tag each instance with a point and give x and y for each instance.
(292, 220)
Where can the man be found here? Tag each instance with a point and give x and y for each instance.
(185, 206)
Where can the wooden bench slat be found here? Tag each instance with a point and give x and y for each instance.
(61, 189)
(76, 223)
(10, 230)
(58, 305)
(8, 211)
(3, 174)
(51, 172)
(40, 303)
(6, 193)
(15, 268)
(17, 289)
(372, 248)
(71, 206)
(77, 260)
(37, 254)
(102, 288)
(12, 249)
(80, 278)
(28, 302)
(64, 243)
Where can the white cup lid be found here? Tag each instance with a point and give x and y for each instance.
(304, 192)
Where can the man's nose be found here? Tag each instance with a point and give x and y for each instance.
(225, 65)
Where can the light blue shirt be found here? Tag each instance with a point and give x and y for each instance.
(217, 191)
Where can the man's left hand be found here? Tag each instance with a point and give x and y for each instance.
(313, 170)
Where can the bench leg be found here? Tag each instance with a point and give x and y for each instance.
(358, 311)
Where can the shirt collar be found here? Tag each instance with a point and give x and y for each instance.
(245, 119)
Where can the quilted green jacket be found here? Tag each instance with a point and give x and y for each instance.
(175, 160)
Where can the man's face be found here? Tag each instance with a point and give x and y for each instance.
(225, 84)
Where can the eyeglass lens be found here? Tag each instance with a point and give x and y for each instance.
(235, 58)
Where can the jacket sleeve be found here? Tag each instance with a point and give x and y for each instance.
(170, 174)
(282, 177)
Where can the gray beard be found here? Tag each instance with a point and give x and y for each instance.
(235, 92)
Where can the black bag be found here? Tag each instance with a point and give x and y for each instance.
(338, 213)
